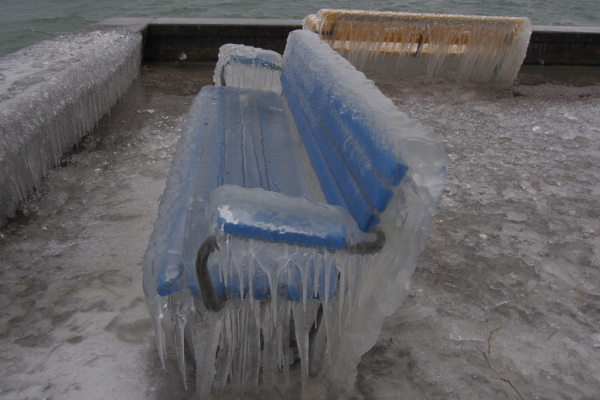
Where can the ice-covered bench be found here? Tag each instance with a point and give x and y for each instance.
(400, 45)
(307, 200)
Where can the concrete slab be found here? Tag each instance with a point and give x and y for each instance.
(567, 29)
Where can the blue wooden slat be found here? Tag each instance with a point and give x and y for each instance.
(336, 181)
(328, 182)
(203, 134)
(325, 74)
(343, 154)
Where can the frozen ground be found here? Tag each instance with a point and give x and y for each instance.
(504, 302)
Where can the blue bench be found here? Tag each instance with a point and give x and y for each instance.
(316, 190)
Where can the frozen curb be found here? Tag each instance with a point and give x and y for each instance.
(200, 38)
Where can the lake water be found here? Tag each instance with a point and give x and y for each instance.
(24, 23)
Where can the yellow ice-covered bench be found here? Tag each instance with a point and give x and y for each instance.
(403, 44)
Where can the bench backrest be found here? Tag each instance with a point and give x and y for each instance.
(335, 108)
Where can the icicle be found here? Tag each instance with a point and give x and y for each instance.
(251, 268)
(284, 339)
(341, 261)
(301, 331)
(252, 362)
(206, 336)
(236, 254)
(179, 322)
(303, 261)
(328, 261)
(269, 328)
(157, 316)
(317, 268)
(223, 362)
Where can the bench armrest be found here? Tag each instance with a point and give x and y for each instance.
(247, 67)
(271, 216)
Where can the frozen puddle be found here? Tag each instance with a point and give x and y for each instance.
(504, 302)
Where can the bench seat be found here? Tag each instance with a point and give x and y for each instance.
(233, 137)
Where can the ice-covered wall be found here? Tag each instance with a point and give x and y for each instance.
(53, 93)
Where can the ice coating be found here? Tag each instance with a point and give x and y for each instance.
(260, 214)
(351, 148)
(254, 335)
(248, 67)
(395, 45)
(358, 103)
(204, 162)
(53, 93)
(249, 268)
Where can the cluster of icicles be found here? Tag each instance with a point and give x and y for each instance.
(251, 340)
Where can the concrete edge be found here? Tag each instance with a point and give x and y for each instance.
(199, 38)
(566, 29)
(227, 21)
(127, 23)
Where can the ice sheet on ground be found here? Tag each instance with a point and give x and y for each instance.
(248, 67)
(512, 265)
(536, 279)
(53, 93)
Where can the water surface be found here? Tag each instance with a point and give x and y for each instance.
(24, 23)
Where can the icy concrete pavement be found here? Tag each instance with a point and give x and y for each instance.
(73, 322)
(503, 303)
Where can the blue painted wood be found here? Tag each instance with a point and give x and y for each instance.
(347, 153)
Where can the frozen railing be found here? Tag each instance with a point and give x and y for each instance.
(53, 93)
(404, 45)
(290, 224)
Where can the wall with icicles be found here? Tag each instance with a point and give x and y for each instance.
(53, 93)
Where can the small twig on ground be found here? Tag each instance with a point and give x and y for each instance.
(534, 183)
(552, 334)
(489, 340)
(498, 375)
